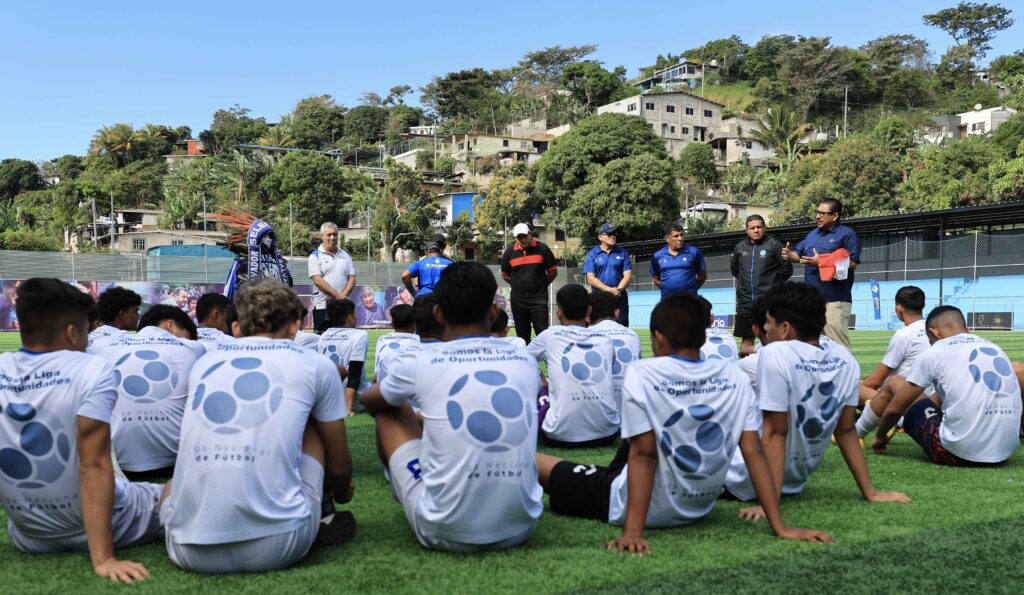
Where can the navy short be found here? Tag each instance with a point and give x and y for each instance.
(585, 490)
(922, 422)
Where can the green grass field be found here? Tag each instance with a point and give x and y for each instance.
(963, 532)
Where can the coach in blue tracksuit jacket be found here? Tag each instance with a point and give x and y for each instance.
(607, 268)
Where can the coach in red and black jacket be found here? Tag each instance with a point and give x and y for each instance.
(529, 267)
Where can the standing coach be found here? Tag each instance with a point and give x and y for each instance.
(332, 273)
(607, 268)
(528, 266)
(757, 263)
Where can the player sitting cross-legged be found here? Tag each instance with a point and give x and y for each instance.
(119, 311)
(57, 481)
(346, 346)
(720, 344)
(467, 478)
(213, 311)
(603, 318)
(974, 418)
(263, 434)
(500, 327)
(682, 419)
(389, 345)
(808, 391)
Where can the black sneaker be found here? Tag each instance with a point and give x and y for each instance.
(340, 529)
(327, 505)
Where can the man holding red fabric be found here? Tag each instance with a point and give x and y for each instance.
(528, 266)
(829, 237)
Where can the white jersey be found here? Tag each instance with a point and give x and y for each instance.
(344, 346)
(697, 410)
(626, 344)
(516, 342)
(41, 397)
(478, 463)
(102, 334)
(151, 369)
(812, 384)
(720, 344)
(237, 474)
(905, 345)
(307, 340)
(211, 336)
(387, 348)
(981, 400)
(748, 365)
(582, 392)
(335, 270)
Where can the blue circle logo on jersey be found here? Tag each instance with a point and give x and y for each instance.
(988, 367)
(696, 445)
(584, 363)
(623, 356)
(717, 348)
(818, 427)
(143, 378)
(42, 447)
(491, 414)
(238, 394)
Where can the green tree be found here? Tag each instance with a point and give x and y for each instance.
(1008, 137)
(366, 124)
(311, 185)
(17, 176)
(942, 177)
(760, 60)
(741, 179)
(899, 67)
(403, 213)
(233, 126)
(591, 85)
(780, 129)
(316, 122)
(729, 53)
(972, 24)
(462, 94)
(895, 134)
(812, 69)
(697, 164)
(1007, 180)
(69, 167)
(1006, 66)
(138, 185)
(580, 153)
(637, 193)
(116, 143)
(505, 202)
(189, 185)
(539, 73)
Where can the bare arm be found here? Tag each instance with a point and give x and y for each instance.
(657, 281)
(96, 475)
(373, 400)
(853, 454)
(506, 277)
(643, 461)
(907, 394)
(349, 286)
(701, 278)
(776, 427)
(325, 287)
(407, 281)
(337, 459)
(877, 377)
(552, 273)
(598, 284)
(627, 278)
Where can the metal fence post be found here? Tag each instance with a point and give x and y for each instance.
(906, 256)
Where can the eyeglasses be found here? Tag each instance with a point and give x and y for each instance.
(823, 213)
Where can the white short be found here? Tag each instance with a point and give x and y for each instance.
(272, 552)
(135, 521)
(407, 487)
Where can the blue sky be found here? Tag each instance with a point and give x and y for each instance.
(70, 67)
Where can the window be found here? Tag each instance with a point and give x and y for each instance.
(748, 144)
(670, 109)
(559, 235)
(689, 111)
(461, 146)
(672, 129)
(504, 143)
(631, 107)
(649, 105)
(708, 114)
(691, 69)
(470, 254)
(685, 130)
(177, 242)
(138, 243)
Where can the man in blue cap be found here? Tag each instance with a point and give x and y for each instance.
(608, 269)
(427, 270)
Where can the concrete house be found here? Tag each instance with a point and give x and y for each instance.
(979, 122)
(677, 117)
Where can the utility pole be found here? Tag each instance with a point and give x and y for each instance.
(113, 222)
(846, 107)
(95, 223)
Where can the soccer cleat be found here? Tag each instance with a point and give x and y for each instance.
(327, 506)
(340, 529)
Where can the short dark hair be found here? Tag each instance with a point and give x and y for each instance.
(911, 298)
(210, 302)
(602, 305)
(115, 300)
(500, 322)
(939, 316)
(423, 316)
(401, 316)
(572, 301)
(754, 217)
(681, 319)
(338, 311)
(265, 306)
(708, 308)
(161, 312)
(759, 312)
(799, 304)
(466, 292)
(674, 227)
(833, 205)
(232, 318)
(46, 306)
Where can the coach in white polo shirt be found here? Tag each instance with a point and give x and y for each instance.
(332, 273)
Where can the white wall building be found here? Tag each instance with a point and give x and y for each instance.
(978, 122)
(678, 117)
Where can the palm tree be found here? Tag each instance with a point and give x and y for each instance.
(116, 142)
(779, 128)
(277, 136)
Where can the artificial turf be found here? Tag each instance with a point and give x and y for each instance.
(963, 532)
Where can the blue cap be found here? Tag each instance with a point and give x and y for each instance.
(607, 228)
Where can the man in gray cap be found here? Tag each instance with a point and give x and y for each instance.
(528, 266)
(608, 269)
(427, 270)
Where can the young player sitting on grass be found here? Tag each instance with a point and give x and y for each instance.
(974, 417)
(388, 346)
(263, 425)
(213, 311)
(682, 418)
(721, 343)
(152, 368)
(904, 347)
(500, 330)
(345, 345)
(119, 311)
(584, 411)
(306, 340)
(57, 481)
(604, 314)
(428, 333)
(808, 391)
(467, 479)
